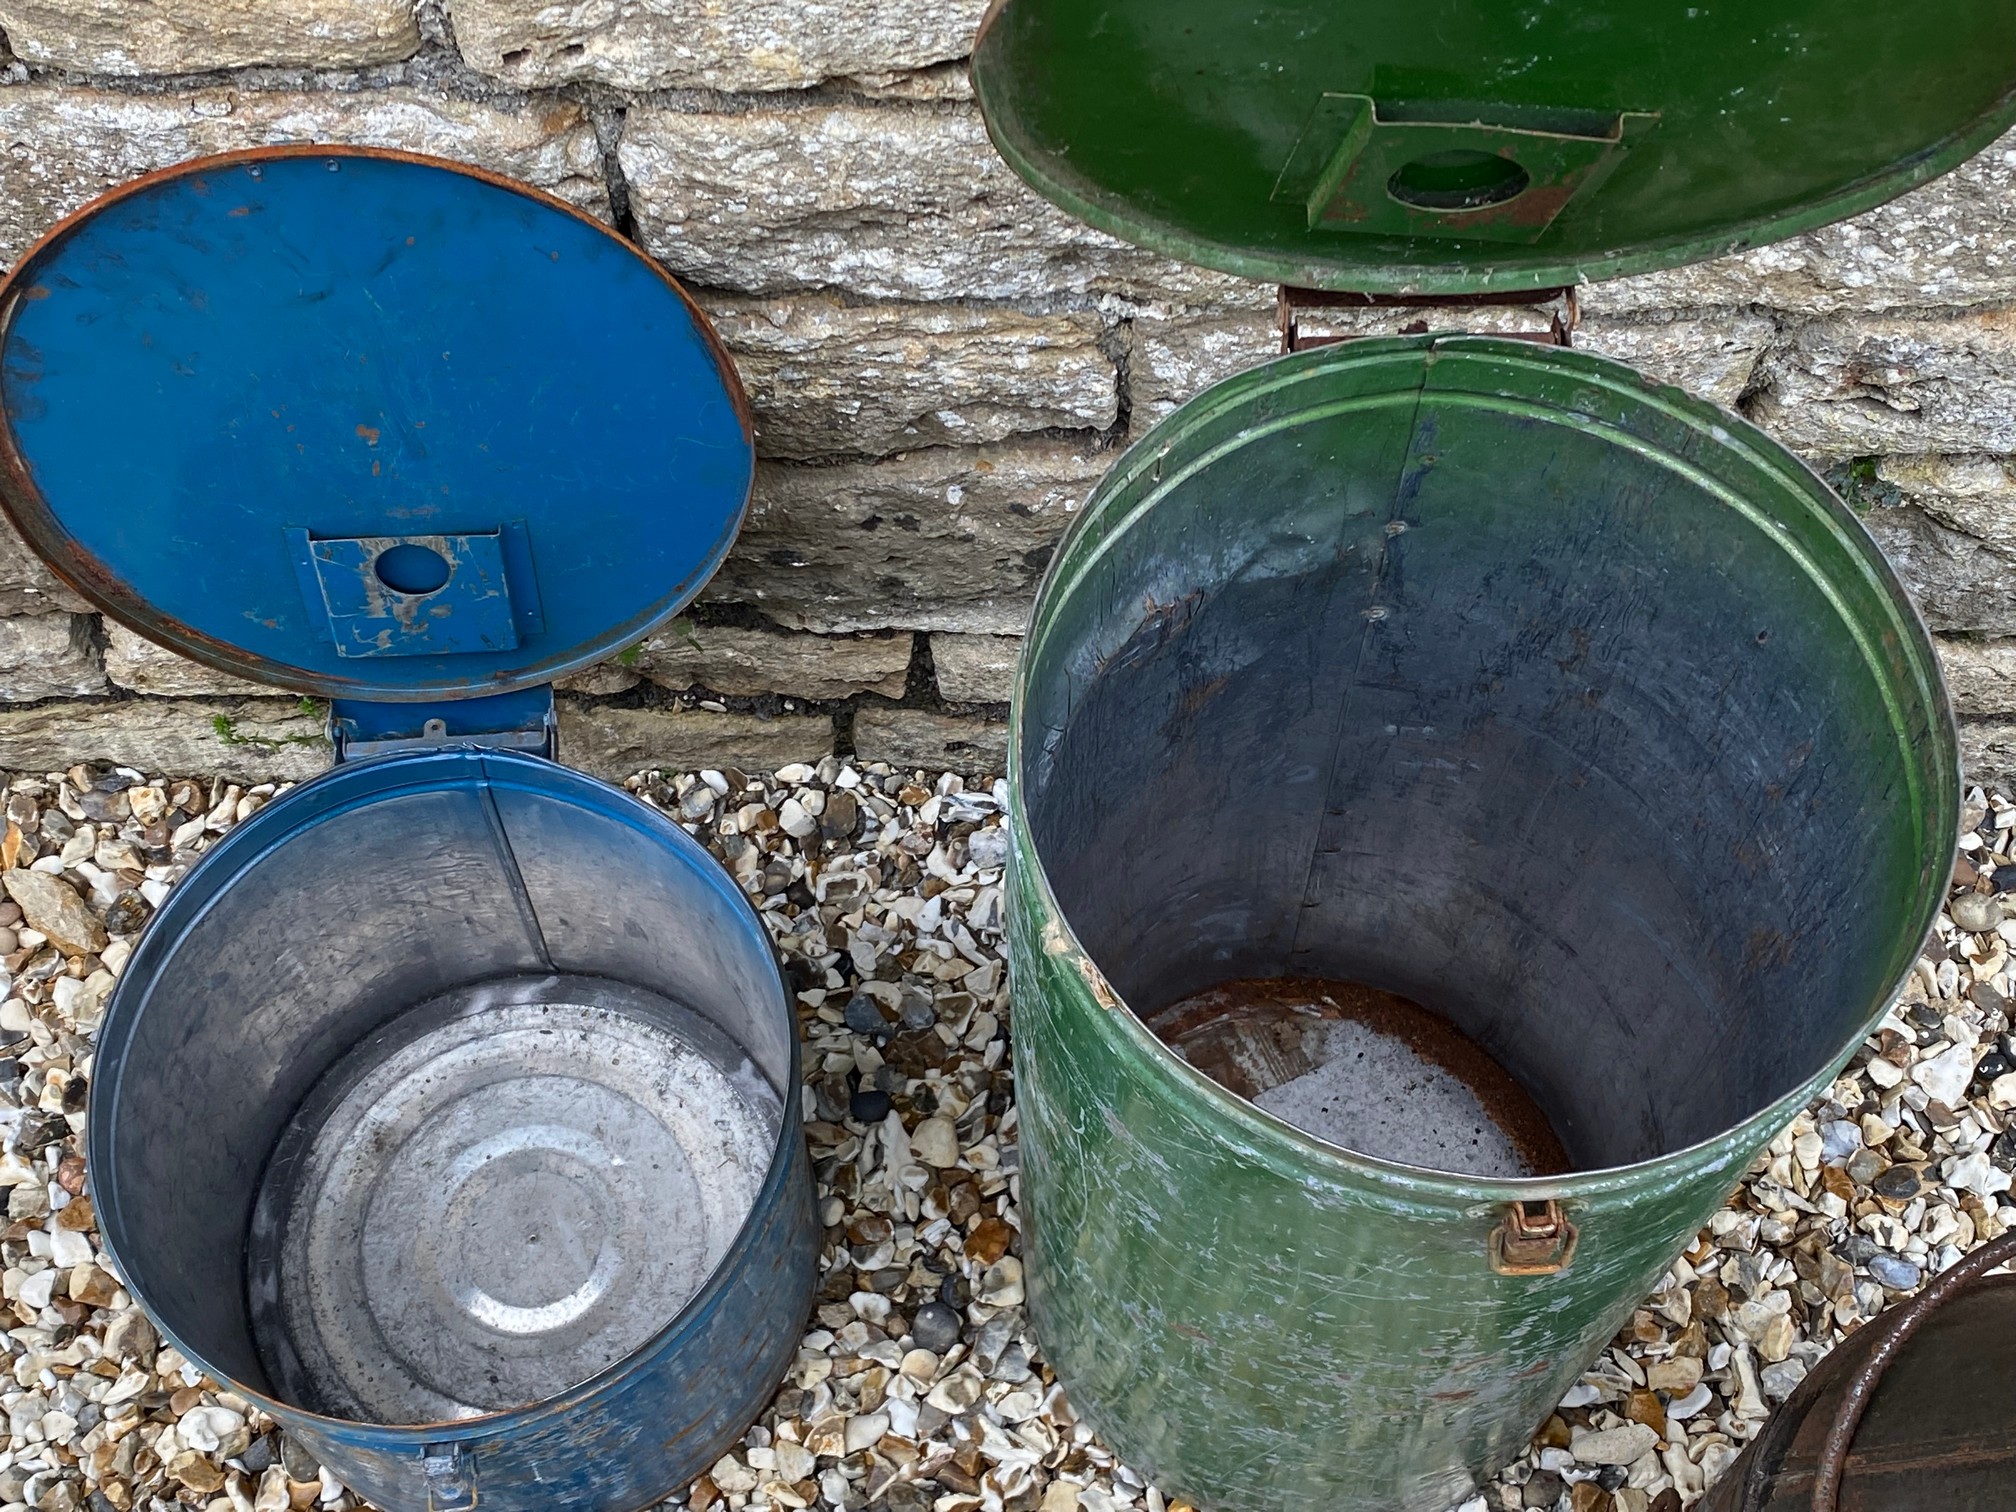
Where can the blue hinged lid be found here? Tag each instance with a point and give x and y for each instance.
(366, 425)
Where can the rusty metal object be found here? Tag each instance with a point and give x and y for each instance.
(1255, 1034)
(1912, 1414)
(1536, 1239)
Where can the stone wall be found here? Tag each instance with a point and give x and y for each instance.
(941, 364)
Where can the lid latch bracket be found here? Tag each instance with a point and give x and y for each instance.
(1450, 169)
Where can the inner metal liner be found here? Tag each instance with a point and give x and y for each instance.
(502, 1193)
(344, 921)
(1477, 675)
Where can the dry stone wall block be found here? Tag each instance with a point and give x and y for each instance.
(65, 145)
(195, 36)
(264, 739)
(49, 656)
(1867, 385)
(975, 668)
(888, 201)
(827, 378)
(944, 539)
(922, 740)
(1980, 675)
(702, 44)
(750, 662)
(27, 586)
(133, 661)
(614, 743)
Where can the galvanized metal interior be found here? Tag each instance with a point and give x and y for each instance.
(505, 1028)
(1564, 705)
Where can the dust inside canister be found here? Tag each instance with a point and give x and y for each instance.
(510, 1188)
(1366, 1070)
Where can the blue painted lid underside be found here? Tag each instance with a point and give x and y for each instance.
(366, 426)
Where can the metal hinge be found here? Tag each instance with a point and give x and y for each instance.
(1293, 302)
(1533, 1239)
(523, 721)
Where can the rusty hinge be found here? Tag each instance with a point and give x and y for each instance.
(1532, 1239)
(1293, 301)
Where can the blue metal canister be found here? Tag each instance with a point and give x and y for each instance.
(449, 1108)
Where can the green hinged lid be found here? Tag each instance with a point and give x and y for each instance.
(1458, 146)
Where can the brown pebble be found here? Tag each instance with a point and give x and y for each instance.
(1711, 1298)
(70, 1174)
(1587, 1496)
(1553, 1433)
(1666, 1501)
(184, 1400)
(1644, 1407)
(196, 1472)
(703, 1495)
(77, 1216)
(989, 1241)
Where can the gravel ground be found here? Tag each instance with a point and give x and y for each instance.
(918, 1386)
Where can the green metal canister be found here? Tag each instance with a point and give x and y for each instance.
(1483, 673)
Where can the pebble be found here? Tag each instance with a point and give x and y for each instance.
(1898, 1275)
(1899, 1183)
(868, 1106)
(1975, 912)
(52, 907)
(935, 1141)
(935, 1327)
(1614, 1446)
(1946, 1075)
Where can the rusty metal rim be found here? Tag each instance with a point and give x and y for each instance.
(1868, 1375)
(25, 508)
(1268, 1135)
(493, 767)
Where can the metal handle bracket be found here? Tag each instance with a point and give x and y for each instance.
(450, 1473)
(1533, 1239)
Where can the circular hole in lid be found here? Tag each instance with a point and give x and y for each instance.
(1461, 179)
(411, 569)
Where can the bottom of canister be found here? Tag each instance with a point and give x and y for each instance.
(508, 1189)
(1365, 1070)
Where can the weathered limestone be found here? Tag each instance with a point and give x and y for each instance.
(919, 739)
(614, 743)
(1951, 242)
(1173, 357)
(1988, 752)
(975, 668)
(1713, 356)
(195, 36)
(701, 44)
(48, 656)
(132, 661)
(1980, 675)
(265, 739)
(827, 378)
(1867, 385)
(65, 144)
(888, 201)
(751, 662)
(27, 586)
(1948, 524)
(935, 540)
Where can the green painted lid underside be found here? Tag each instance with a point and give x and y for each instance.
(1450, 146)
